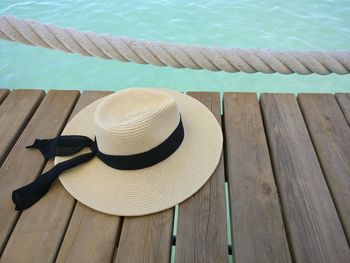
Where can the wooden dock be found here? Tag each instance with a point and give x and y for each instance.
(286, 165)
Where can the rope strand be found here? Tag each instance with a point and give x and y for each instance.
(125, 49)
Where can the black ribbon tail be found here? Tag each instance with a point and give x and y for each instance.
(28, 195)
(61, 146)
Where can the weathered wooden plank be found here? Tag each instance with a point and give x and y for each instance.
(22, 165)
(49, 217)
(330, 134)
(90, 231)
(91, 236)
(344, 103)
(201, 230)
(3, 94)
(146, 238)
(313, 226)
(15, 112)
(258, 233)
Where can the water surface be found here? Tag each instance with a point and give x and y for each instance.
(301, 25)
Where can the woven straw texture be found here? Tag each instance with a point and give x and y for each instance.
(155, 188)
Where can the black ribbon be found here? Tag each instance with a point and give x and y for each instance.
(67, 145)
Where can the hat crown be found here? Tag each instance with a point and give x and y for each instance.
(135, 120)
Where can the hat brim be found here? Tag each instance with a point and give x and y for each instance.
(155, 188)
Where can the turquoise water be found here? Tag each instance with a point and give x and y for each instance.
(301, 25)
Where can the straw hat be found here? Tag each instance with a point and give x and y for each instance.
(134, 121)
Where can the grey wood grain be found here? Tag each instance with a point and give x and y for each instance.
(201, 231)
(258, 233)
(330, 134)
(146, 238)
(313, 225)
(344, 103)
(15, 112)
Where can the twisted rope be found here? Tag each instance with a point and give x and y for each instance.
(125, 49)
